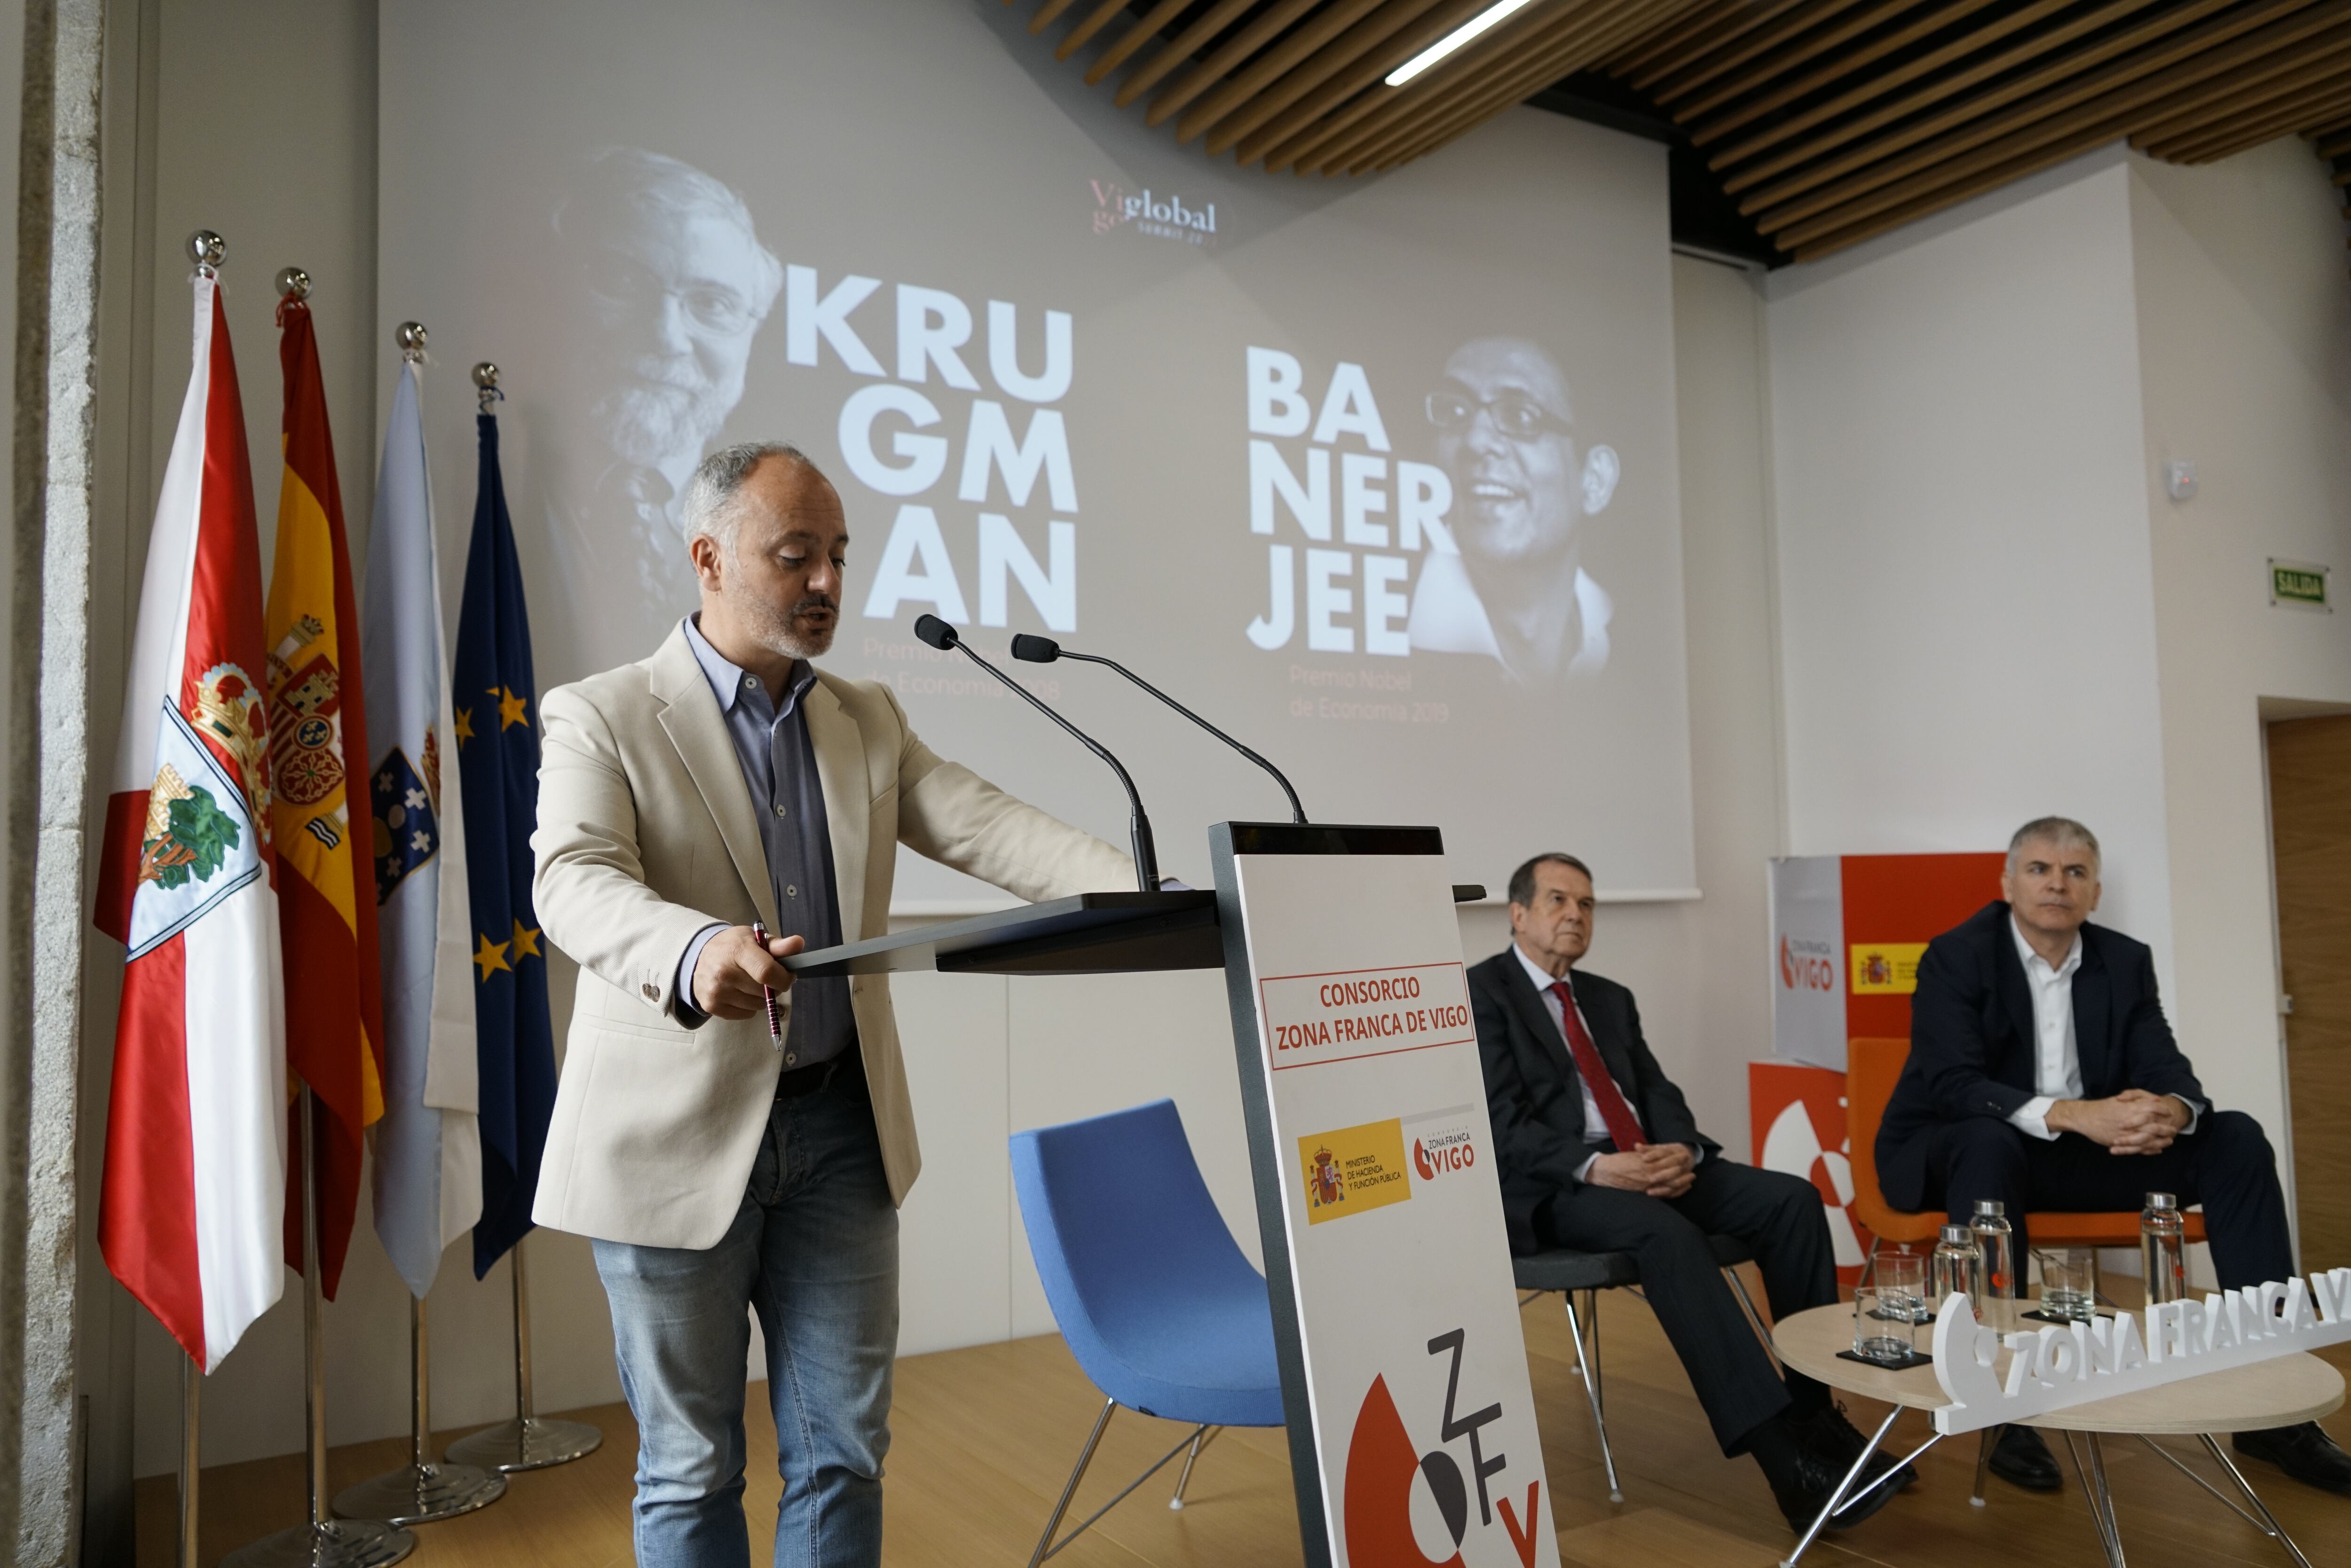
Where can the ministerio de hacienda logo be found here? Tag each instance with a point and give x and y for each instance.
(1159, 215)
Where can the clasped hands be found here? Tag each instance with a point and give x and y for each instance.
(2132, 1123)
(1654, 1170)
(730, 975)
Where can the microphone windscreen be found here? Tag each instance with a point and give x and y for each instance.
(1035, 650)
(935, 631)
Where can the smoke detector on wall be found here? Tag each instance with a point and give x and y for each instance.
(2179, 479)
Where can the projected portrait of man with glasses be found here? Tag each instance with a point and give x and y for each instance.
(666, 286)
(1510, 584)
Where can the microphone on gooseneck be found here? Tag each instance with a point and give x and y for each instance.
(1044, 651)
(942, 636)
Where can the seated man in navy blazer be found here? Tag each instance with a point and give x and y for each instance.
(2042, 1073)
(1598, 1152)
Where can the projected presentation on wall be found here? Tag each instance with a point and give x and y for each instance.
(1378, 473)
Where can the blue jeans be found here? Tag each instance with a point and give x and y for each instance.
(814, 1252)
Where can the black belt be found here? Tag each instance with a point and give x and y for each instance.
(817, 1077)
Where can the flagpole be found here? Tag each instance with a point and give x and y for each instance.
(530, 1441)
(420, 1491)
(191, 1383)
(323, 1542)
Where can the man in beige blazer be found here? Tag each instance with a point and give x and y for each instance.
(722, 781)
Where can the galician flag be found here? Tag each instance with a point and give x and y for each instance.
(318, 724)
(497, 741)
(194, 1187)
(428, 1147)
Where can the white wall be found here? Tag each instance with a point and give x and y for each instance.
(2244, 322)
(1966, 580)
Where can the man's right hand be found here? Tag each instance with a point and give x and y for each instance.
(1658, 1170)
(728, 976)
(2131, 1123)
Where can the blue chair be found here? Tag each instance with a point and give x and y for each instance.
(1163, 1311)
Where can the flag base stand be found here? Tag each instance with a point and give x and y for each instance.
(529, 1442)
(323, 1543)
(420, 1491)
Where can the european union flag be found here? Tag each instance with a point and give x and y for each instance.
(498, 769)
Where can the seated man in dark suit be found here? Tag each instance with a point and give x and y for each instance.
(2042, 1073)
(1598, 1152)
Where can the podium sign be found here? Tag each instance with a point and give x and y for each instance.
(1412, 1426)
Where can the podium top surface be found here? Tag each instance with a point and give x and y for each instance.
(1088, 934)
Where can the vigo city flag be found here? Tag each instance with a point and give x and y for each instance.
(194, 1188)
(497, 751)
(428, 1147)
(318, 726)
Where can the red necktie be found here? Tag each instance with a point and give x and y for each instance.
(1624, 1127)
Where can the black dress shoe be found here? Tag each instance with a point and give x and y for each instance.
(1814, 1479)
(2022, 1459)
(1829, 1437)
(2305, 1452)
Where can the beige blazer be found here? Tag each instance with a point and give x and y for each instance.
(646, 834)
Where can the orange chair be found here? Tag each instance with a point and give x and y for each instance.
(1871, 1067)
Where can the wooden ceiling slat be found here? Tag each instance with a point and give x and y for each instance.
(1773, 41)
(1880, 86)
(2309, 92)
(1093, 22)
(1525, 73)
(1146, 28)
(1627, 23)
(1355, 97)
(2081, 127)
(1325, 148)
(2057, 83)
(1177, 50)
(1229, 57)
(1046, 11)
(1698, 44)
(1839, 66)
(2332, 147)
(2325, 110)
(1272, 64)
(1350, 49)
(1648, 48)
(2258, 83)
(1794, 56)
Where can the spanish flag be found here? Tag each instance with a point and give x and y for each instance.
(334, 990)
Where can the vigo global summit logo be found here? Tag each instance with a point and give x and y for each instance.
(1161, 214)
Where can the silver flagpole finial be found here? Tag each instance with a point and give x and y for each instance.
(293, 283)
(485, 378)
(207, 248)
(410, 339)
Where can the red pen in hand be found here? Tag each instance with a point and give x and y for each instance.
(774, 1013)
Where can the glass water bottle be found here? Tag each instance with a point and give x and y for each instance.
(2162, 1247)
(1957, 1265)
(1995, 1240)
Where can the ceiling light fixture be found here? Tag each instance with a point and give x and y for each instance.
(1453, 40)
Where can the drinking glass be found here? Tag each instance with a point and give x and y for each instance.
(1883, 1331)
(2069, 1283)
(1902, 1285)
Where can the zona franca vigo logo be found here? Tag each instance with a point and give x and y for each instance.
(1385, 1473)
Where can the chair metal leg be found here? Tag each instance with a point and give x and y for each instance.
(1093, 1441)
(1755, 1319)
(1586, 1357)
(2273, 1526)
(1983, 1463)
(1592, 1321)
(1200, 1439)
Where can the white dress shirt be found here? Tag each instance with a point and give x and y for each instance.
(2057, 1057)
(1596, 1126)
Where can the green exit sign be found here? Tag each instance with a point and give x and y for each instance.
(2298, 583)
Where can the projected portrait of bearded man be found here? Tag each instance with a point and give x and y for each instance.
(1512, 584)
(664, 286)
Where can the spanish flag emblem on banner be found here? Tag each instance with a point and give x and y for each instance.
(334, 989)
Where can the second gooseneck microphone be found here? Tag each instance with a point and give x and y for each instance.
(1044, 651)
(942, 636)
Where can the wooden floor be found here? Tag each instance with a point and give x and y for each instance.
(984, 1437)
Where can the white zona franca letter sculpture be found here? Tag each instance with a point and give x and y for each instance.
(2073, 1363)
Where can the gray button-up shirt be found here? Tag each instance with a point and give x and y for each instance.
(771, 742)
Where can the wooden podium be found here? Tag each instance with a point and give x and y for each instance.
(1388, 1272)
